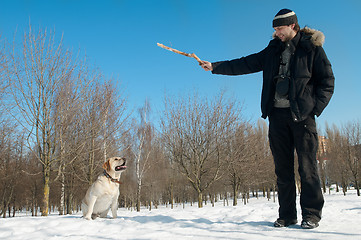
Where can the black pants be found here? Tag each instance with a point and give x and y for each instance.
(285, 136)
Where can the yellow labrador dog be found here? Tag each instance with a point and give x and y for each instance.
(104, 192)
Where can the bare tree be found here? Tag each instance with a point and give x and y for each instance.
(322, 160)
(142, 147)
(337, 169)
(263, 171)
(193, 131)
(7, 167)
(239, 154)
(352, 133)
(36, 73)
(67, 108)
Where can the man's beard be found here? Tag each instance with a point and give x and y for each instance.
(288, 38)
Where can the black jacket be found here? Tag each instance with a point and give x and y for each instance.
(312, 79)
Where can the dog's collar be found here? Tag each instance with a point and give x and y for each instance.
(110, 177)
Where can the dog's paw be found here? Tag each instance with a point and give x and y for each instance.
(87, 218)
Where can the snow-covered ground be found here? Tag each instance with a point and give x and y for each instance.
(341, 220)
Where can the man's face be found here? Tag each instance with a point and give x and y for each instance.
(285, 33)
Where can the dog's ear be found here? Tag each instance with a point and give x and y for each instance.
(106, 165)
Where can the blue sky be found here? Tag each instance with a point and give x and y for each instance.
(120, 38)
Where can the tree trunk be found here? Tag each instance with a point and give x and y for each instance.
(357, 188)
(200, 199)
(139, 186)
(274, 193)
(235, 194)
(225, 199)
(323, 176)
(91, 160)
(171, 196)
(62, 195)
(7, 202)
(69, 205)
(46, 190)
(244, 196)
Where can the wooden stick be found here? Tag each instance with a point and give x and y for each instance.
(192, 55)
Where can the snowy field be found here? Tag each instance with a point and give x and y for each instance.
(341, 220)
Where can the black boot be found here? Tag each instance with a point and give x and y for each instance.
(284, 222)
(309, 224)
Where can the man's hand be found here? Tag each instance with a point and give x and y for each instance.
(206, 65)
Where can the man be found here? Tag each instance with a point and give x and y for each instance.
(298, 83)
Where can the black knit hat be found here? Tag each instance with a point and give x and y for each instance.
(284, 17)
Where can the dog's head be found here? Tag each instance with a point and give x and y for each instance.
(116, 164)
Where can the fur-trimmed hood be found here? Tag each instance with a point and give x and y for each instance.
(316, 37)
